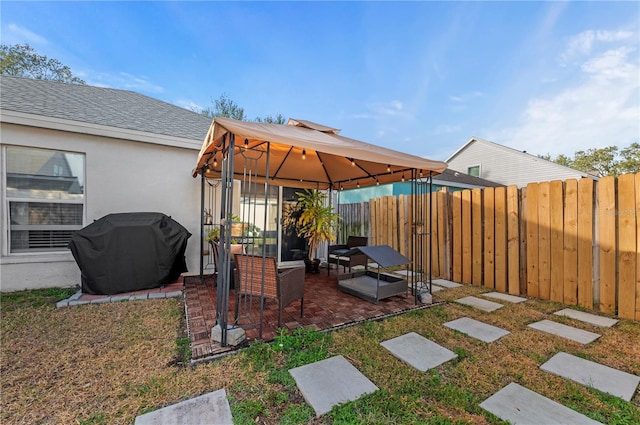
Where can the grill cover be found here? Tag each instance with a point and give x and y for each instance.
(129, 252)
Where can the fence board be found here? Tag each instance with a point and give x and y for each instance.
(557, 232)
(523, 241)
(476, 244)
(627, 246)
(544, 242)
(435, 237)
(402, 224)
(585, 243)
(607, 243)
(373, 217)
(637, 212)
(442, 237)
(456, 236)
(466, 236)
(570, 250)
(531, 218)
(488, 204)
(513, 241)
(500, 239)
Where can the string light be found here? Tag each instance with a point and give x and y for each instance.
(358, 184)
(353, 162)
(403, 176)
(215, 161)
(388, 168)
(377, 182)
(304, 154)
(246, 143)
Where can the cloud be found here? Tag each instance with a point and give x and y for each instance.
(16, 34)
(378, 110)
(188, 104)
(123, 81)
(464, 98)
(448, 129)
(599, 107)
(582, 44)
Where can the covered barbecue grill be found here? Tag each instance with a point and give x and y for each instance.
(129, 252)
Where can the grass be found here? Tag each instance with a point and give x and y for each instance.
(108, 363)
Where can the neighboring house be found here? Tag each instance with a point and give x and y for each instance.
(451, 179)
(508, 166)
(71, 154)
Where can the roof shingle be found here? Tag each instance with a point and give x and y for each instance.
(102, 106)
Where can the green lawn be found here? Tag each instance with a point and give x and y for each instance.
(108, 363)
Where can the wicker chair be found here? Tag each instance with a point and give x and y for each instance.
(285, 287)
(235, 249)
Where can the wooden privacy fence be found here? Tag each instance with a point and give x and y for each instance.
(575, 242)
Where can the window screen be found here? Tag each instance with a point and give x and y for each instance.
(45, 198)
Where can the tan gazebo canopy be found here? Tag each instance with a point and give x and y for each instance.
(305, 154)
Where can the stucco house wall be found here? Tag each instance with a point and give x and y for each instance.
(508, 166)
(120, 176)
(138, 156)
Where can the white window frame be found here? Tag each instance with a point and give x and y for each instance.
(9, 199)
(479, 170)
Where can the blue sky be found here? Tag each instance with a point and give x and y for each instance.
(420, 77)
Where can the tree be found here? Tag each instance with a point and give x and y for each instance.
(227, 108)
(21, 60)
(630, 158)
(608, 161)
(269, 119)
(224, 107)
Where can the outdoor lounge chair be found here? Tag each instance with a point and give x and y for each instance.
(285, 287)
(336, 254)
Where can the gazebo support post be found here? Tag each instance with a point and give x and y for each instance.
(224, 261)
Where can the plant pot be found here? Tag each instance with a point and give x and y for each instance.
(312, 266)
(237, 229)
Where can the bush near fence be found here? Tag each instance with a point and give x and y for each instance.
(574, 241)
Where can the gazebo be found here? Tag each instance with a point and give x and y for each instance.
(300, 154)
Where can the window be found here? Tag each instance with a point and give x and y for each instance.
(45, 198)
(474, 171)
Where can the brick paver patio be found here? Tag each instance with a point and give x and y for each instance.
(325, 307)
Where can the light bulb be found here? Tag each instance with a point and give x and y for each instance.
(304, 154)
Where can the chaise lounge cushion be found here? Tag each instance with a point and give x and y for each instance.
(337, 253)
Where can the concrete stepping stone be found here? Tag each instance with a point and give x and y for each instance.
(569, 332)
(521, 406)
(480, 304)
(592, 319)
(418, 351)
(591, 374)
(211, 408)
(504, 297)
(406, 273)
(329, 382)
(445, 283)
(425, 286)
(477, 329)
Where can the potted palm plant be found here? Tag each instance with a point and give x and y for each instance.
(316, 222)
